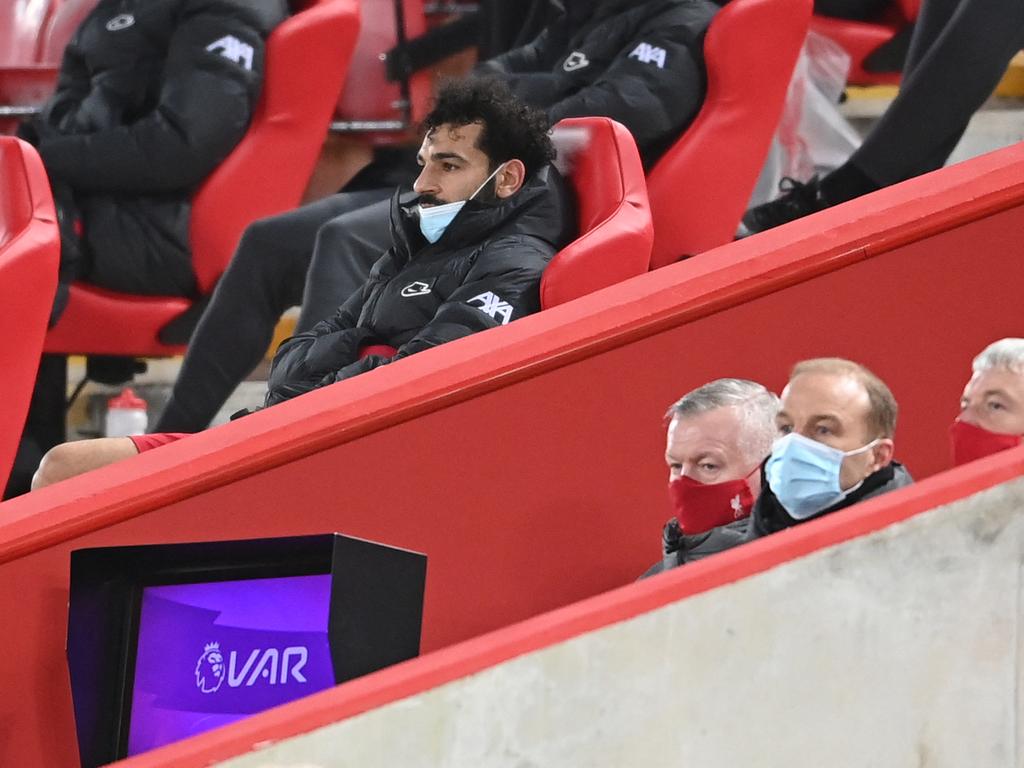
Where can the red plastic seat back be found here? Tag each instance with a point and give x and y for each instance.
(601, 161)
(60, 26)
(20, 23)
(910, 9)
(33, 36)
(269, 169)
(368, 97)
(700, 187)
(861, 39)
(29, 250)
(384, 350)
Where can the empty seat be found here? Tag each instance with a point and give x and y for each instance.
(369, 104)
(877, 47)
(603, 165)
(700, 187)
(29, 251)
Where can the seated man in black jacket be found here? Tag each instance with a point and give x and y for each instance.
(640, 63)
(152, 95)
(836, 424)
(467, 254)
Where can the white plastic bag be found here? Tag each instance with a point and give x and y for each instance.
(813, 136)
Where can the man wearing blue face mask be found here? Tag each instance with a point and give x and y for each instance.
(836, 425)
(467, 255)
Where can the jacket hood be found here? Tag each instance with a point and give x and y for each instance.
(542, 208)
(769, 516)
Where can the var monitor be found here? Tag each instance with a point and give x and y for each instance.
(167, 641)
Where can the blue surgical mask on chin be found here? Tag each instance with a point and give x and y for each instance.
(434, 219)
(804, 474)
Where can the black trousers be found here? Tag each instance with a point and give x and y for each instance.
(341, 236)
(958, 53)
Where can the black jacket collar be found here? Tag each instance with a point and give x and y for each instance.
(542, 208)
(769, 516)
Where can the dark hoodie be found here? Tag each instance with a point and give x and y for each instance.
(641, 63)
(768, 516)
(483, 272)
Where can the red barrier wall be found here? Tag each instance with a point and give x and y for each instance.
(526, 461)
(464, 659)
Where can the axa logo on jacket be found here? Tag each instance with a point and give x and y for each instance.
(804, 474)
(493, 306)
(233, 49)
(649, 54)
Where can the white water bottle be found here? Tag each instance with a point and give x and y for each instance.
(126, 414)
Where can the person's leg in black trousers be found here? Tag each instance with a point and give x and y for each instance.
(858, 10)
(265, 277)
(959, 52)
(346, 248)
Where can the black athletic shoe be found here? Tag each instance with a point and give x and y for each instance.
(797, 200)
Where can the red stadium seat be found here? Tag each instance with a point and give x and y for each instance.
(58, 29)
(267, 172)
(384, 350)
(383, 112)
(700, 187)
(601, 160)
(19, 32)
(29, 251)
(34, 34)
(32, 41)
(861, 39)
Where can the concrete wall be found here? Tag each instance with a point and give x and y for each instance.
(901, 648)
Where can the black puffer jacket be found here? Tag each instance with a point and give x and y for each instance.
(483, 272)
(679, 548)
(641, 63)
(152, 95)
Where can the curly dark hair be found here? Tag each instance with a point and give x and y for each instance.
(511, 129)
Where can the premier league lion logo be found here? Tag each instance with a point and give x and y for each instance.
(210, 672)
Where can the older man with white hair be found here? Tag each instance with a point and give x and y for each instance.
(718, 436)
(992, 406)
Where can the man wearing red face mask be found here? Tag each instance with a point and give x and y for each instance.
(992, 407)
(718, 435)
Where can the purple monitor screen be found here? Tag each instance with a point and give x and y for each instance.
(209, 654)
